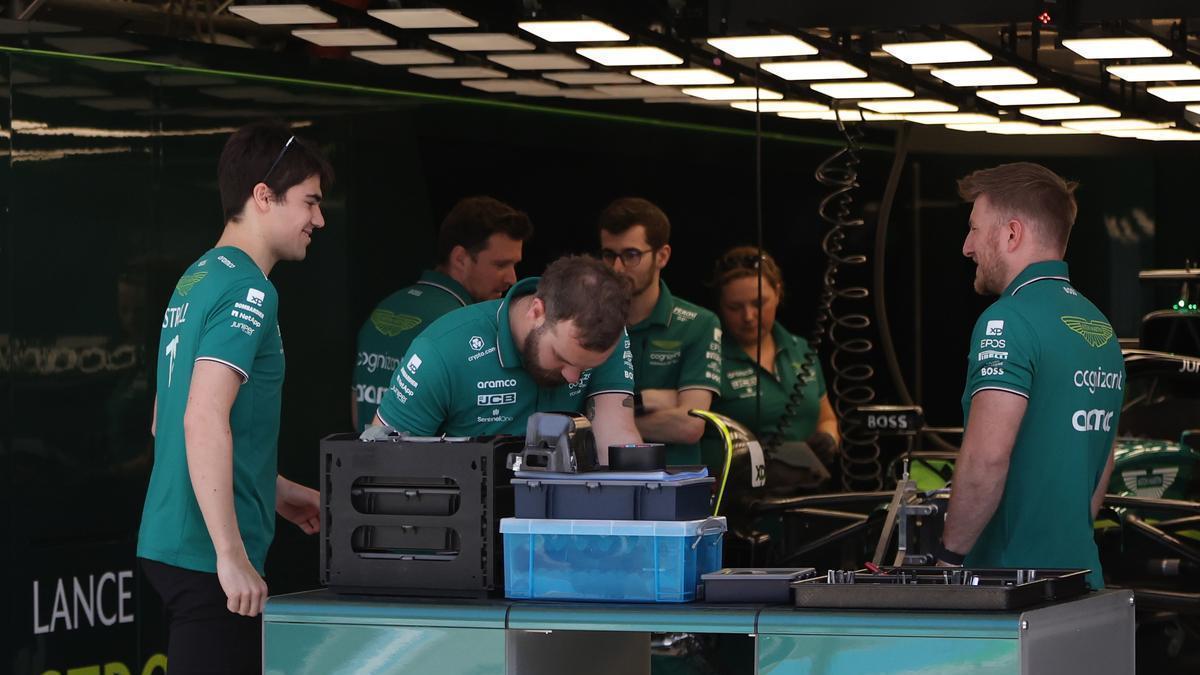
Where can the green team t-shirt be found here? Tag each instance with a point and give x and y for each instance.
(390, 329)
(677, 347)
(1044, 341)
(224, 310)
(741, 373)
(463, 376)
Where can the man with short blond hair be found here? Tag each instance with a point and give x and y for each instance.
(1044, 386)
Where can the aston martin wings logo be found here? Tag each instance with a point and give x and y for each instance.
(1096, 333)
(1149, 483)
(392, 324)
(189, 281)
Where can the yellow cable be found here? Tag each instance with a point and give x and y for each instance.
(727, 438)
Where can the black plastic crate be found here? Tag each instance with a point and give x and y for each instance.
(587, 498)
(414, 517)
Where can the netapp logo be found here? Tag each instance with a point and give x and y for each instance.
(495, 384)
(1092, 420)
(503, 398)
(1097, 379)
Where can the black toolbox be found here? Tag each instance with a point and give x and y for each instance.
(589, 498)
(404, 516)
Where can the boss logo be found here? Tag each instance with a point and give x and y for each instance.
(887, 422)
(496, 399)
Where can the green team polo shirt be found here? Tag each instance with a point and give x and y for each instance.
(390, 329)
(1044, 341)
(224, 310)
(738, 392)
(463, 376)
(677, 347)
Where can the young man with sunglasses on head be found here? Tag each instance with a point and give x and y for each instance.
(676, 345)
(209, 515)
(479, 246)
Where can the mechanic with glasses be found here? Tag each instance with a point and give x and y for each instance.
(676, 345)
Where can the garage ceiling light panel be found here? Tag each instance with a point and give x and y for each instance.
(681, 76)
(629, 56)
(482, 42)
(1156, 72)
(987, 76)
(573, 31)
(1070, 112)
(456, 72)
(1175, 94)
(862, 90)
(814, 70)
(277, 15)
(538, 61)
(908, 105)
(1027, 96)
(401, 57)
(591, 78)
(344, 37)
(423, 18)
(779, 106)
(731, 93)
(941, 51)
(762, 46)
(1117, 48)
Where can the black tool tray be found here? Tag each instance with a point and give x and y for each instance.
(939, 588)
(771, 585)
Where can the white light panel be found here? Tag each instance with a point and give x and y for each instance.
(908, 105)
(1119, 124)
(1156, 72)
(573, 31)
(629, 56)
(637, 91)
(731, 93)
(1168, 135)
(761, 46)
(482, 42)
(344, 37)
(584, 94)
(780, 106)
(1014, 128)
(275, 15)
(1070, 112)
(844, 115)
(456, 72)
(987, 76)
(514, 86)
(814, 70)
(862, 90)
(681, 76)
(423, 18)
(1189, 92)
(592, 78)
(1028, 96)
(1193, 109)
(1117, 48)
(953, 118)
(401, 57)
(538, 61)
(941, 51)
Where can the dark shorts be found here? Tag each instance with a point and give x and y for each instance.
(203, 635)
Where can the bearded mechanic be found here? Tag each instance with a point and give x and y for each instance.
(554, 343)
(1044, 386)
(479, 245)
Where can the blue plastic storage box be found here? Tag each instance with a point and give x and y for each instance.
(609, 560)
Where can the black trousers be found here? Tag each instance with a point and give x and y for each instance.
(203, 636)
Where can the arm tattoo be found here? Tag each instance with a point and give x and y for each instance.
(627, 401)
(590, 409)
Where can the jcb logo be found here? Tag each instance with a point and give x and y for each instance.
(496, 399)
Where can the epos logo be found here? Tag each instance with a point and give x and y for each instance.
(1092, 420)
(995, 327)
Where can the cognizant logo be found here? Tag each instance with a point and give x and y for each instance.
(1092, 420)
(1097, 379)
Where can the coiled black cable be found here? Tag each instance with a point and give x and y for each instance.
(850, 384)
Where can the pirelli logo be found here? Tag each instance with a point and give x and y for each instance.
(502, 398)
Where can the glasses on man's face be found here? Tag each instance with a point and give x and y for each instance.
(277, 158)
(629, 256)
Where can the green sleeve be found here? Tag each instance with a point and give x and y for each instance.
(418, 401)
(616, 374)
(236, 323)
(700, 364)
(1002, 352)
